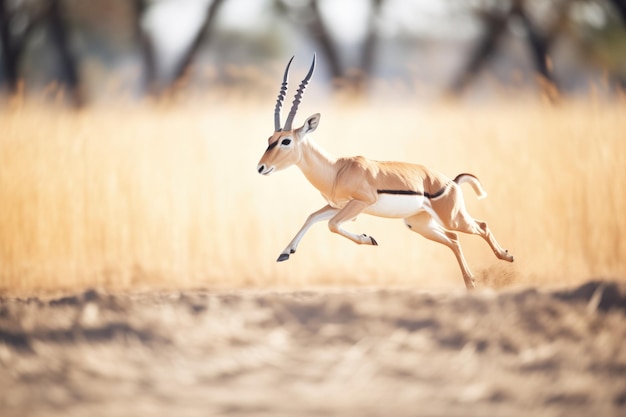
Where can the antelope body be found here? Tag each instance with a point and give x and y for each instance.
(429, 202)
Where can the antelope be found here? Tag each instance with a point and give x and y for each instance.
(429, 202)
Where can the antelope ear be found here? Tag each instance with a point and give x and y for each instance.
(309, 125)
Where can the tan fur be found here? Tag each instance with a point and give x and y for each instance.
(351, 186)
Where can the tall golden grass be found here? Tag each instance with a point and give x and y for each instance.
(142, 195)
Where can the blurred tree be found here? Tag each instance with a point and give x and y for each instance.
(370, 45)
(146, 48)
(16, 27)
(60, 40)
(620, 6)
(151, 85)
(11, 48)
(496, 21)
(202, 35)
(384, 36)
(307, 14)
(601, 33)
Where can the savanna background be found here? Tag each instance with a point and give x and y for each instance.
(138, 242)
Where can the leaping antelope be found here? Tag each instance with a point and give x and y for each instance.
(430, 203)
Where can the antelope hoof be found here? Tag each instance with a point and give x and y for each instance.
(372, 240)
(282, 257)
(505, 256)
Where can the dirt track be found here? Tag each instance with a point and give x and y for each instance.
(316, 353)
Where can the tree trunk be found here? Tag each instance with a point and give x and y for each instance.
(9, 56)
(146, 47)
(620, 6)
(59, 37)
(182, 68)
(319, 32)
(538, 46)
(370, 44)
(485, 48)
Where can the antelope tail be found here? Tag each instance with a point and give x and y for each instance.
(473, 181)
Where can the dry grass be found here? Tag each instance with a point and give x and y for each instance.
(140, 195)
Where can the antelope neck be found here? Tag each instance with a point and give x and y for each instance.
(318, 167)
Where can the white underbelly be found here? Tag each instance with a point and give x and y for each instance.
(396, 206)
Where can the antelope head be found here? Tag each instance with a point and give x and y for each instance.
(284, 146)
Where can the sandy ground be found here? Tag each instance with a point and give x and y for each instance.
(338, 352)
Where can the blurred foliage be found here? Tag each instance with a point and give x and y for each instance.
(359, 41)
(602, 36)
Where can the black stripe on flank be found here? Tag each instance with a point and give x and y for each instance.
(399, 192)
(410, 192)
(437, 194)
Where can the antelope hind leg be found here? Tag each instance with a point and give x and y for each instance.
(460, 220)
(426, 226)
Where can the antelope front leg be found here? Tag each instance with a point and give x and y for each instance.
(349, 212)
(324, 213)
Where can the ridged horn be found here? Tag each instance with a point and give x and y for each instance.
(298, 97)
(281, 97)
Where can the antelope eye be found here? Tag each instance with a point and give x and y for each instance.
(285, 142)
